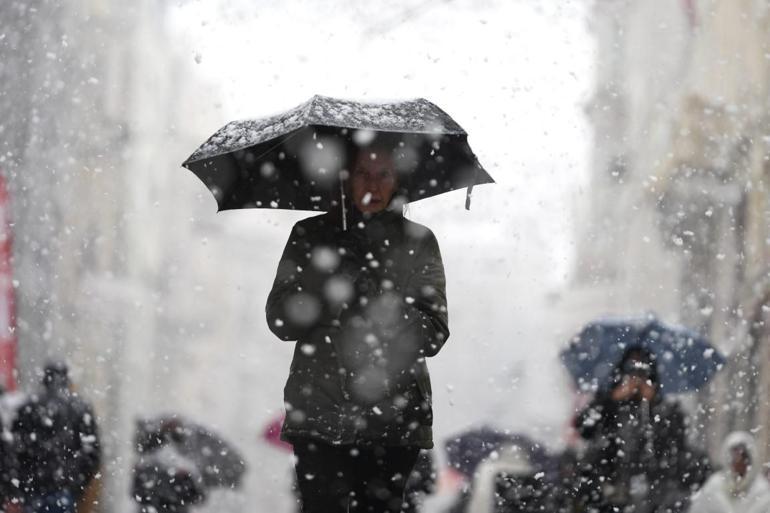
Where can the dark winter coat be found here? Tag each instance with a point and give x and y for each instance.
(8, 466)
(57, 445)
(634, 444)
(366, 307)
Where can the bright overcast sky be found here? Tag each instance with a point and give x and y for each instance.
(513, 73)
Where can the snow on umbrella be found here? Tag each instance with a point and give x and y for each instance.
(685, 360)
(296, 160)
(468, 449)
(217, 461)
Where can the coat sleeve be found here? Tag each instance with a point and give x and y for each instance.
(286, 285)
(296, 303)
(425, 303)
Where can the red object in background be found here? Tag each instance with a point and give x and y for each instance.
(692, 15)
(8, 341)
(272, 433)
(450, 481)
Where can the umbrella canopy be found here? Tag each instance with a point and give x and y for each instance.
(685, 360)
(219, 464)
(295, 160)
(468, 449)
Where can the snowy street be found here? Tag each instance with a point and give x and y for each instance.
(612, 283)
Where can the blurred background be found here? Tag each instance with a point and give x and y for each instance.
(630, 140)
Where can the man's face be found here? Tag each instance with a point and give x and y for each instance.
(740, 460)
(637, 367)
(373, 181)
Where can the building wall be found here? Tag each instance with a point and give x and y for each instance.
(681, 225)
(96, 121)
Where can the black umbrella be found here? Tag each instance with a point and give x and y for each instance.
(297, 160)
(468, 449)
(217, 461)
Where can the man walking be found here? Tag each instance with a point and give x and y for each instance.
(57, 445)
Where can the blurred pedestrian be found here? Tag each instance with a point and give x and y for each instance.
(57, 445)
(739, 487)
(179, 462)
(366, 306)
(636, 443)
(165, 481)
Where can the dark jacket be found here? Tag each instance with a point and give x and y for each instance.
(366, 307)
(8, 467)
(57, 446)
(634, 445)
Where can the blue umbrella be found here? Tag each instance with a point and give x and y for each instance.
(685, 360)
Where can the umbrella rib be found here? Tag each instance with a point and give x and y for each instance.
(290, 136)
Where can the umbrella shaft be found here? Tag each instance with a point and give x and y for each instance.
(344, 208)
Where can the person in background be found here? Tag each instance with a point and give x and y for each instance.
(740, 486)
(637, 454)
(164, 481)
(57, 445)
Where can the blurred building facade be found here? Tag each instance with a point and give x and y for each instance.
(676, 218)
(96, 118)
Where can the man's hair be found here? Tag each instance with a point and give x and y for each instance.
(56, 375)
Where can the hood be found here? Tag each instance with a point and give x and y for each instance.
(734, 483)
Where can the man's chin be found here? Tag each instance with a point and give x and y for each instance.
(373, 208)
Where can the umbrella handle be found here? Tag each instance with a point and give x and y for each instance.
(468, 197)
(344, 208)
(469, 190)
